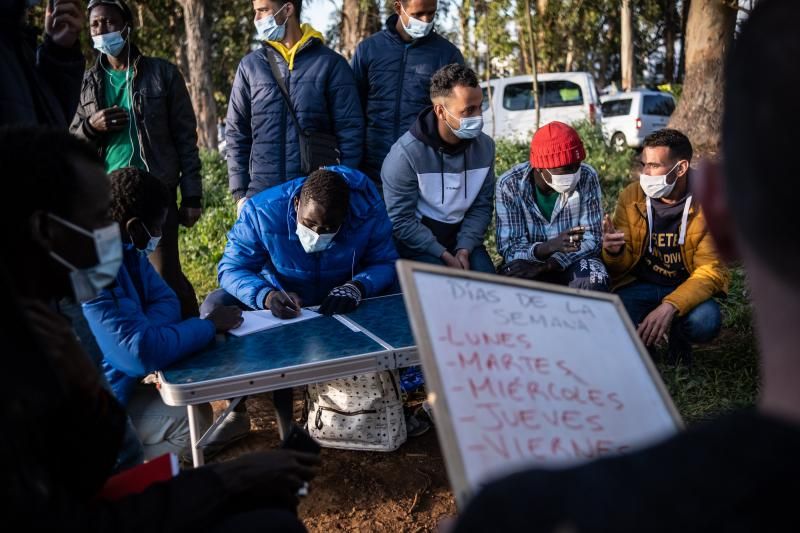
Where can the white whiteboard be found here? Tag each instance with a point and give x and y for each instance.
(523, 373)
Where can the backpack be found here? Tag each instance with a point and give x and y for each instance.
(363, 412)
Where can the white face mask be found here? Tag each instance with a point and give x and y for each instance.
(657, 186)
(416, 28)
(88, 282)
(468, 127)
(151, 245)
(110, 43)
(563, 183)
(312, 241)
(268, 29)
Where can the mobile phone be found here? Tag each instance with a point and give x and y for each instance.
(298, 439)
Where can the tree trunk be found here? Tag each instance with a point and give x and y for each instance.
(360, 19)
(198, 55)
(682, 54)
(534, 70)
(671, 29)
(464, 13)
(709, 34)
(626, 51)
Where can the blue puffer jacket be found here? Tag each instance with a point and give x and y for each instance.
(263, 249)
(138, 326)
(262, 140)
(394, 79)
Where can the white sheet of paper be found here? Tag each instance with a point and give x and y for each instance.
(255, 321)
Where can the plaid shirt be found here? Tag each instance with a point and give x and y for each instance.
(520, 225)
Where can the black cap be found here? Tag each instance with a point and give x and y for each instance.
(120, 4)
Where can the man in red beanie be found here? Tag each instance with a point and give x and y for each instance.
(549, 214)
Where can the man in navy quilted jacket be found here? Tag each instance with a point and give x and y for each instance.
(263, 147)
(393, 70)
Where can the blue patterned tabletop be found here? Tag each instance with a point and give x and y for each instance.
(317, 339)
(386, 318)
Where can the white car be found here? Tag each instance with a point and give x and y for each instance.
(564, 96)
(629, 117)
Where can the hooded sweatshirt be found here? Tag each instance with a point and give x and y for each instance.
(439, 196)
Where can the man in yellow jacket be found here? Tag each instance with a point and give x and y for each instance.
(660, 255)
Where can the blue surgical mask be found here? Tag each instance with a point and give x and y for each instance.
(88, 282)
(110, 43)
(312, 241)
(151, 245)
(468, 127)
(268, 28)
(416, 28)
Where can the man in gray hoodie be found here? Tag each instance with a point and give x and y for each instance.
(438, 179)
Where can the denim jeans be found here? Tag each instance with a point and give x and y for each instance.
(479, 260)
(700, 325)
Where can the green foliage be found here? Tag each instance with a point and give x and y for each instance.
(202, 245)
(612, 167)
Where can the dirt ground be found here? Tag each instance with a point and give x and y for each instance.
(406, 490)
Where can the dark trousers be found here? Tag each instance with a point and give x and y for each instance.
(283, 399)
(166, 261)
(700, 325)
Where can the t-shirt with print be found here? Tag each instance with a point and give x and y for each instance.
(663, 265)
(122, 149)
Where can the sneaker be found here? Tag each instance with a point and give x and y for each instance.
(416, 426)
(235, 426)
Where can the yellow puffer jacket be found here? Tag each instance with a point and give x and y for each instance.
(707, 275)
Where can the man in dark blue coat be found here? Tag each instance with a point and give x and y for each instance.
(262, 140)
(393, 70)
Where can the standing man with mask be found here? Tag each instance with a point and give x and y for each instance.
(137, 112)
(262, 138)
(393, 70)
(438, 178)
(549, 212)
(661, 257)
(40, 86)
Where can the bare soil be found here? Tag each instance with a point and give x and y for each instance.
(406, 490)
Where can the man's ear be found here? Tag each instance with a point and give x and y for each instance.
(40, 227)
(397, 7)
(683, 167)
(708, 185)
(133, 228)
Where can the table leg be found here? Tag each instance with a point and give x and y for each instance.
(194, 433)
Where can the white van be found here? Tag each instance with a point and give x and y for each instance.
(564, 96)
(629, 117)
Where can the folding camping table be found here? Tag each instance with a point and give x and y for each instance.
(374, 337)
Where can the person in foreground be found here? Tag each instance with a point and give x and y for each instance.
(740, 472)
(67, 427)
(137, 319)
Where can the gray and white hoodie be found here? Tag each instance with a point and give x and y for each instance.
(439, 197)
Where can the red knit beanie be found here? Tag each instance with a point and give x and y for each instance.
(556, 145)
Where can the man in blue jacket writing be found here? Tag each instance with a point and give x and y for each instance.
(323, 240)
(137, 320)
